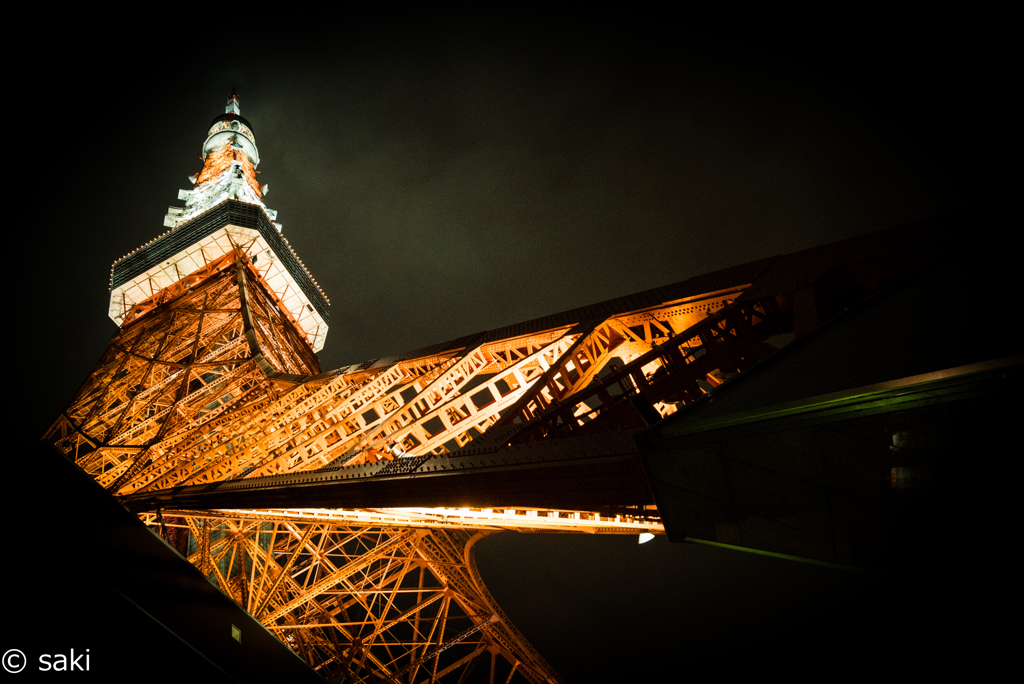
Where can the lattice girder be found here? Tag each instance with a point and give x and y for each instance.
(182, 365)
(386, 602)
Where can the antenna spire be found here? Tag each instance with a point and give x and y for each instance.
(233, 106)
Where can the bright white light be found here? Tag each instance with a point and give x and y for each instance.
(645, 537)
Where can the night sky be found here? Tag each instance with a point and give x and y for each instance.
(440, 177)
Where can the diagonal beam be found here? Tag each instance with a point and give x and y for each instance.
(456, 665)
(284, 571)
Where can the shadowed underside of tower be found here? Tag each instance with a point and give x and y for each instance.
(340, 508)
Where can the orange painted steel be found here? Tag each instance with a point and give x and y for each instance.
(211, 380)
(219, 161)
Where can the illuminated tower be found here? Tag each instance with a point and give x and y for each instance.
(340, 509)
(212, 376)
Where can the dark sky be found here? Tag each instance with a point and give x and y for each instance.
(441, 177)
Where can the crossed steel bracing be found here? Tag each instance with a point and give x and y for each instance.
(212, 391)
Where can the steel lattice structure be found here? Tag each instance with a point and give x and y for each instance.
(210, 416)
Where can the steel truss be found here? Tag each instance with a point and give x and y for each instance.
(214, 382)
(371, 603)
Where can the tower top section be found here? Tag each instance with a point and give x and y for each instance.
(231, 128)
(224, 212)
(229, 170)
